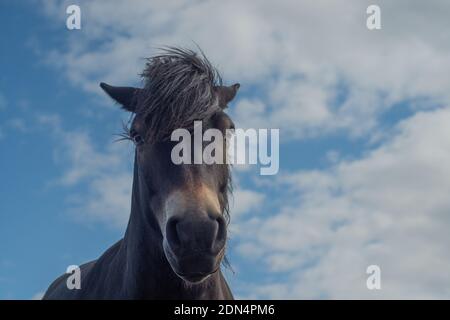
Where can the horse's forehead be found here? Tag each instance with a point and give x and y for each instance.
(218, 120)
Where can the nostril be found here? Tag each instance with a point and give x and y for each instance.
(172, 233)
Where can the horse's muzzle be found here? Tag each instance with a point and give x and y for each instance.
(194, 245)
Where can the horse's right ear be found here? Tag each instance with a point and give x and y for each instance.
(126, 96)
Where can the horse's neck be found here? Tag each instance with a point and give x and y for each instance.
(147, 272)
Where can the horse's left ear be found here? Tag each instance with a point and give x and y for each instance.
(126, 96)
(226, 94)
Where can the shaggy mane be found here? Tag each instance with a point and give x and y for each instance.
(178, 89)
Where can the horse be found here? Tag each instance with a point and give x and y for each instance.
(175, 240)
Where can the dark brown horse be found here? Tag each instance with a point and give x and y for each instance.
(175, 240)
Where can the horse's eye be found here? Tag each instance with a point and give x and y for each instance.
(137, 139)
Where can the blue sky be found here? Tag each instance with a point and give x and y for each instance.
(363, 129)
(38, 238)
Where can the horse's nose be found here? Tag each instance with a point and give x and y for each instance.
(196, 233)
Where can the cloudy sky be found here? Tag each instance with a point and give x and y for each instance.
(364, 130)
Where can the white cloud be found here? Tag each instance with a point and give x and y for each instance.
(18, 124)
(84, 159)
(107, 200)
(244, 200)
(105, 175)
(317, 67)
(389, 208)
